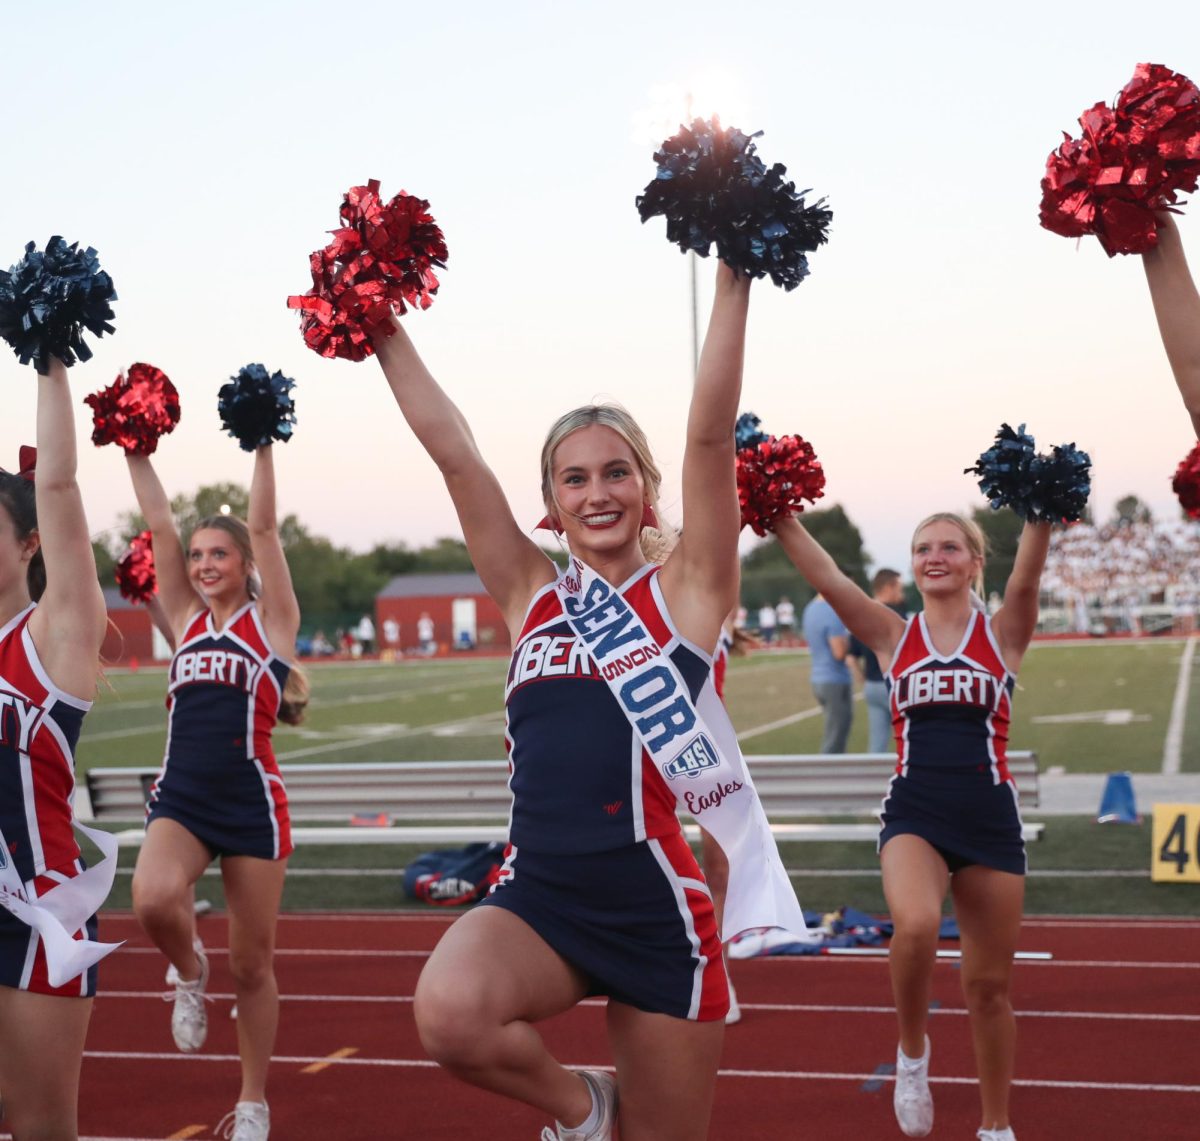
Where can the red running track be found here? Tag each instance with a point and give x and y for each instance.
(1108, 1032)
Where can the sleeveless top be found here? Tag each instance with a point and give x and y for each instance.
(39, 729)
(580, 778)
(951, 713)
(224, 689)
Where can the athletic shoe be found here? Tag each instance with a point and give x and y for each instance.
(735, 1011)
(189, 1019)
(249, 1121)
(1005, 1134)
(172, 973)
(912, 1100)
(604, 1098)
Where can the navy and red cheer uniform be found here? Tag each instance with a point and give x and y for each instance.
(597, 862)
(39, 728)
(219, 778)
(950, 715)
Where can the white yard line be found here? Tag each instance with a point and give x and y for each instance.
(1173, 746)
(770, 726)
(401, 732)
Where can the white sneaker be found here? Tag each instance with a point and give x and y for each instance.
(604, 1096)
(735, 1011)
(1005, 1134)
(189, 1018)
(249, 1121)
(911, 1099)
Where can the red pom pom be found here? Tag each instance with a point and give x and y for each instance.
(1130, 161)
(1186, 483)
(773, 477)
(135, 570)
(381, 260)
(135, 410)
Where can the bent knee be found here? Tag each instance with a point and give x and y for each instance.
(453, 1023)
(157, 898)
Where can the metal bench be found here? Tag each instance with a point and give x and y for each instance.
(457, 802)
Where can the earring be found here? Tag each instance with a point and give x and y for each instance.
(649, 519)
(548, 524)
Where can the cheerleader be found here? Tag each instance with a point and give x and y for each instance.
(229, 601)
(600, 894)
(52, 621)
(950, 818)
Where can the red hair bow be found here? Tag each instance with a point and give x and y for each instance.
(26, 462)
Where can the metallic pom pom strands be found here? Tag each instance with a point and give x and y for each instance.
(714, 190)
(1186, 483)
(380, 261)
(256, 407)
(774, 475)
(134, 571)
(1040, 488)
(48, 299)
(138, 408)
(1130, 161)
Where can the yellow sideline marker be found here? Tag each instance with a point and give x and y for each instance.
(1175, 844)
(188, 1131)
(317, 1067)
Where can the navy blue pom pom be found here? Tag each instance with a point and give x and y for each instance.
(1039, 488)
(747, 433)
(714, 190)
(1062, 482)
(48, 299)
(256, 408)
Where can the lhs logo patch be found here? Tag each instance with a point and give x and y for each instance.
(698, 754)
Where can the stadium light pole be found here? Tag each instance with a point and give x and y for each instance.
(659, 120)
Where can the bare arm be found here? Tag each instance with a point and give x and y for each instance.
(508, 561)
(1016, 620)
(877, 627)
(69, 624)
(179, 600)
(1177, 307)
(839, 646)
(279, 609)
(700, 579)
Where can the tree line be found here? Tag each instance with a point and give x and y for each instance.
(335, 585)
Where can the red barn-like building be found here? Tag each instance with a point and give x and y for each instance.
(130, 632)
(463, 613)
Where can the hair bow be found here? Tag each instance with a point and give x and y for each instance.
(26, 462)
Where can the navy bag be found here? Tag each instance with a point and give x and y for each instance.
(452, 877)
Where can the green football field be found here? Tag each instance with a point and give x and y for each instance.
(1090, 707)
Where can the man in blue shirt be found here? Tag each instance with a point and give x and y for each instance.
(886, 587)
(829, 643)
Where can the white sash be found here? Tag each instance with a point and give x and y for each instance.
(64, 909)
(693, 745)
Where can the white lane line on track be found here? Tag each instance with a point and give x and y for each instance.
(774, 1007)
(801, 1075)
(1173, 745)
(392, 953)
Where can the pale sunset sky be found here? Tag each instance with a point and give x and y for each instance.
(204, 150)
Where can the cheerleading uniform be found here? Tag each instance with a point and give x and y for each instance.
(597, 863)
(721, 663)
(952, 786)
(219, 777)
(39, 728)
